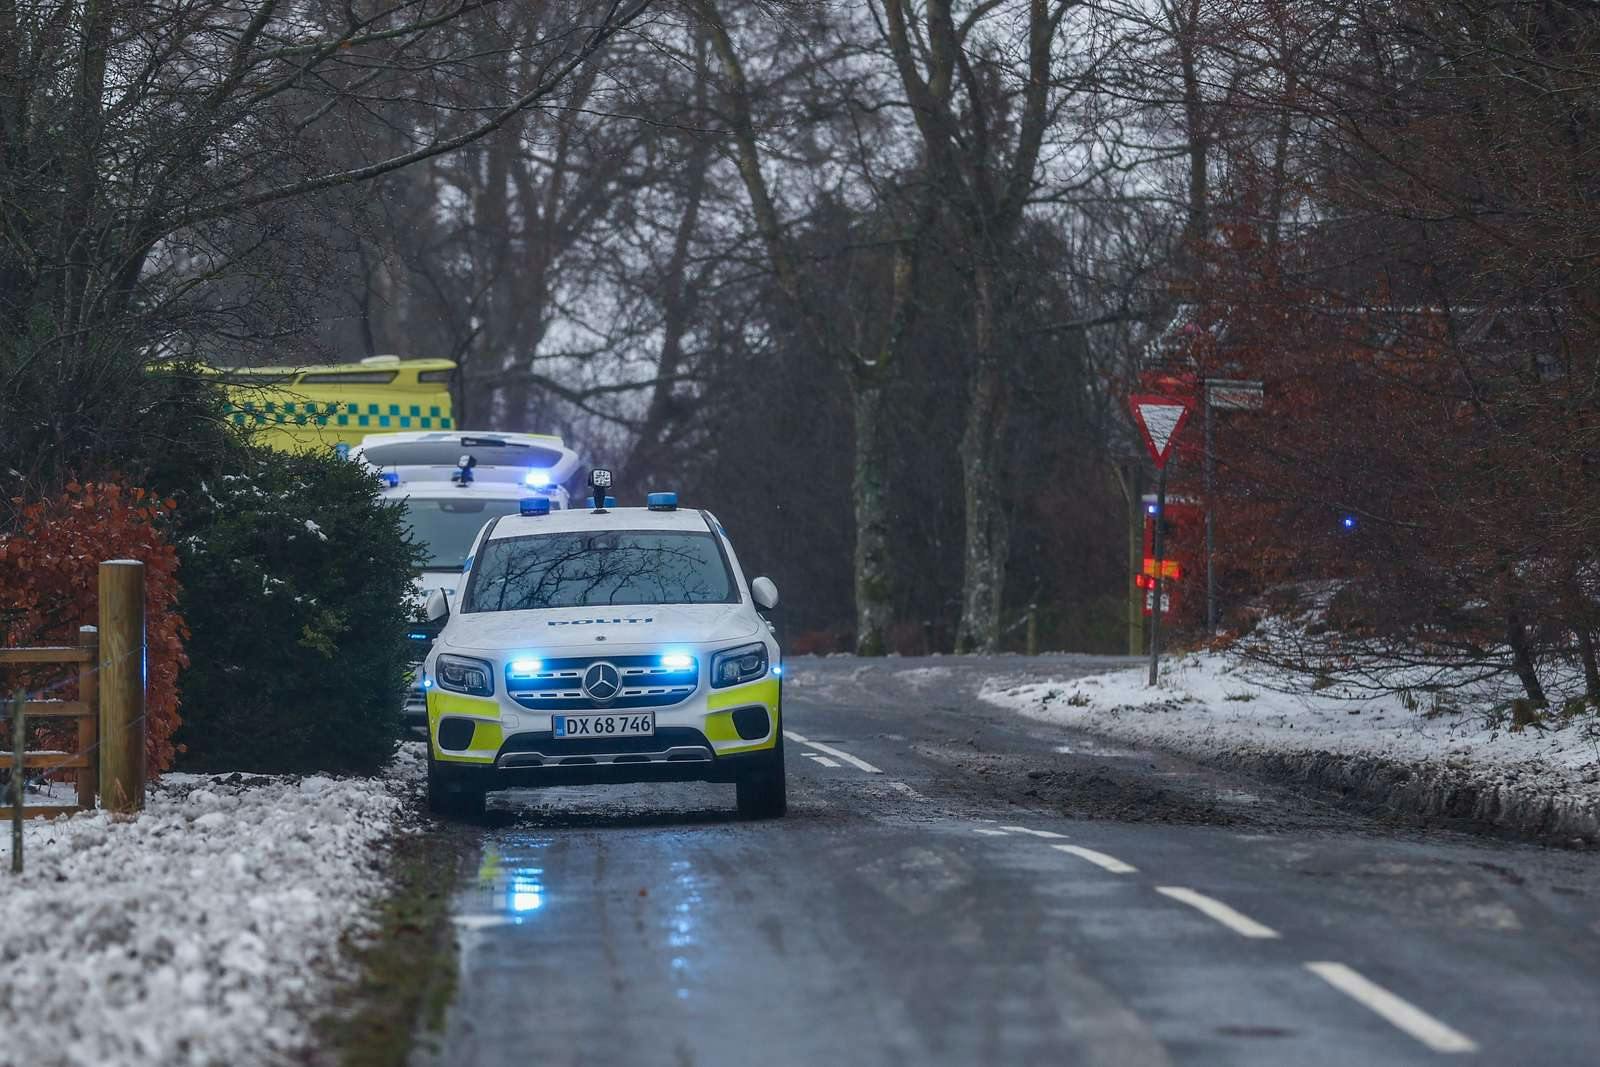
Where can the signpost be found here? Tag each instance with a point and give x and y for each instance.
(1159, 419)
(1221, 394)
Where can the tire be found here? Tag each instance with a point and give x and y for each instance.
(763, 792)
(449, 796)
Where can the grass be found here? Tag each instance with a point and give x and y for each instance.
(407, 966)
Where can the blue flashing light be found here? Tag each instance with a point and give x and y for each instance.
(526, 668)
(778, 671)
(391, 479)
(415, 636)
(1349, 522)
(537, 479)
(427, 683)
(535, 505)
(677, 661)
(1150, 508)
(662, 501)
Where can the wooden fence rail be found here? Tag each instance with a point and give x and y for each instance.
(110, 707)
(84, 710)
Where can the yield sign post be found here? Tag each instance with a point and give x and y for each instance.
(1159, 418)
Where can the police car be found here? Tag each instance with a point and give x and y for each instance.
(604, 645)
(452, 483)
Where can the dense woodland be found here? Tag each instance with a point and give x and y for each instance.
(873, 280)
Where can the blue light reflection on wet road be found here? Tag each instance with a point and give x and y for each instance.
(511, 881)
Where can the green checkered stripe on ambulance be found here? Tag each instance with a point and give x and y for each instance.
(332, 413)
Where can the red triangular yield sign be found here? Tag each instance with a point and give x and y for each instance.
(1159, 418)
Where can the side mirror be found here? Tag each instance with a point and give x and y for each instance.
(764, 593)
(437, 606)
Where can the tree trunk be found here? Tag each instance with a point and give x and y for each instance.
(873, 585)
(1591, 669)
(678, 298)
(82, 185)
(982, 445)
(1522, 660)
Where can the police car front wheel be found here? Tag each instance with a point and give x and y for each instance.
(763, 792)
(450, 795)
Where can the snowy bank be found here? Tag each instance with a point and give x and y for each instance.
(1448, 758)
(205, 930)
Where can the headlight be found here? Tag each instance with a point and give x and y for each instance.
(743, 664)
(459, 674)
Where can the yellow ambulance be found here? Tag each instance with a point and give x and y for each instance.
(335, 406)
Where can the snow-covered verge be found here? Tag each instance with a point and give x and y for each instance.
(1450, 757)
(205, 930)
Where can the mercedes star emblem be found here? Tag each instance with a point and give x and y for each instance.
(602, 681)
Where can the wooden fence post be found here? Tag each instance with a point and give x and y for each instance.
(19, 776)
(88, 727)
(122, 685)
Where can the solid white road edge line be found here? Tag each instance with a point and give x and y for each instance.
(830, 750)
(1236, 921)
(1035, 833)
(1099, 859)
(1402, 1014)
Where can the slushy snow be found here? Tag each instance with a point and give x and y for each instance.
(1208, 705)
(206, 930)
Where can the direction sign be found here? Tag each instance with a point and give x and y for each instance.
(1159, 418)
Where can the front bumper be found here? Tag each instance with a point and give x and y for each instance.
(710, 736)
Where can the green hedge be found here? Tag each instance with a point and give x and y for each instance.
(296, 588)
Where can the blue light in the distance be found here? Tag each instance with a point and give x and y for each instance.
(537, 479)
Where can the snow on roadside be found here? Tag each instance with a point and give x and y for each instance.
(205, 930)
(1211, 705)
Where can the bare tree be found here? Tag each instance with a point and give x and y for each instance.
(147, 150)
(871, 356)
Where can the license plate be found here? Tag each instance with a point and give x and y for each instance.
(619, 724)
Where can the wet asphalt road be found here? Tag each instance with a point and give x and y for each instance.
(971, 888)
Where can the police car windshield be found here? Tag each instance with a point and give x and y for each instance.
(448, 526)
(592, 569)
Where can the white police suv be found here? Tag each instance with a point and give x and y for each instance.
(604, 645)
(451, 483)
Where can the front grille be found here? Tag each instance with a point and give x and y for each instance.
(546, 744)
(558, 685)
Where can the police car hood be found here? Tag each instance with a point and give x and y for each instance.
(655, 625)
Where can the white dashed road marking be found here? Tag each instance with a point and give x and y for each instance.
(1402, 1014)
(989, 833)
(1239, 923)
(859, 764)
(1035, 833)
(1099, 859)
(824, 760)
